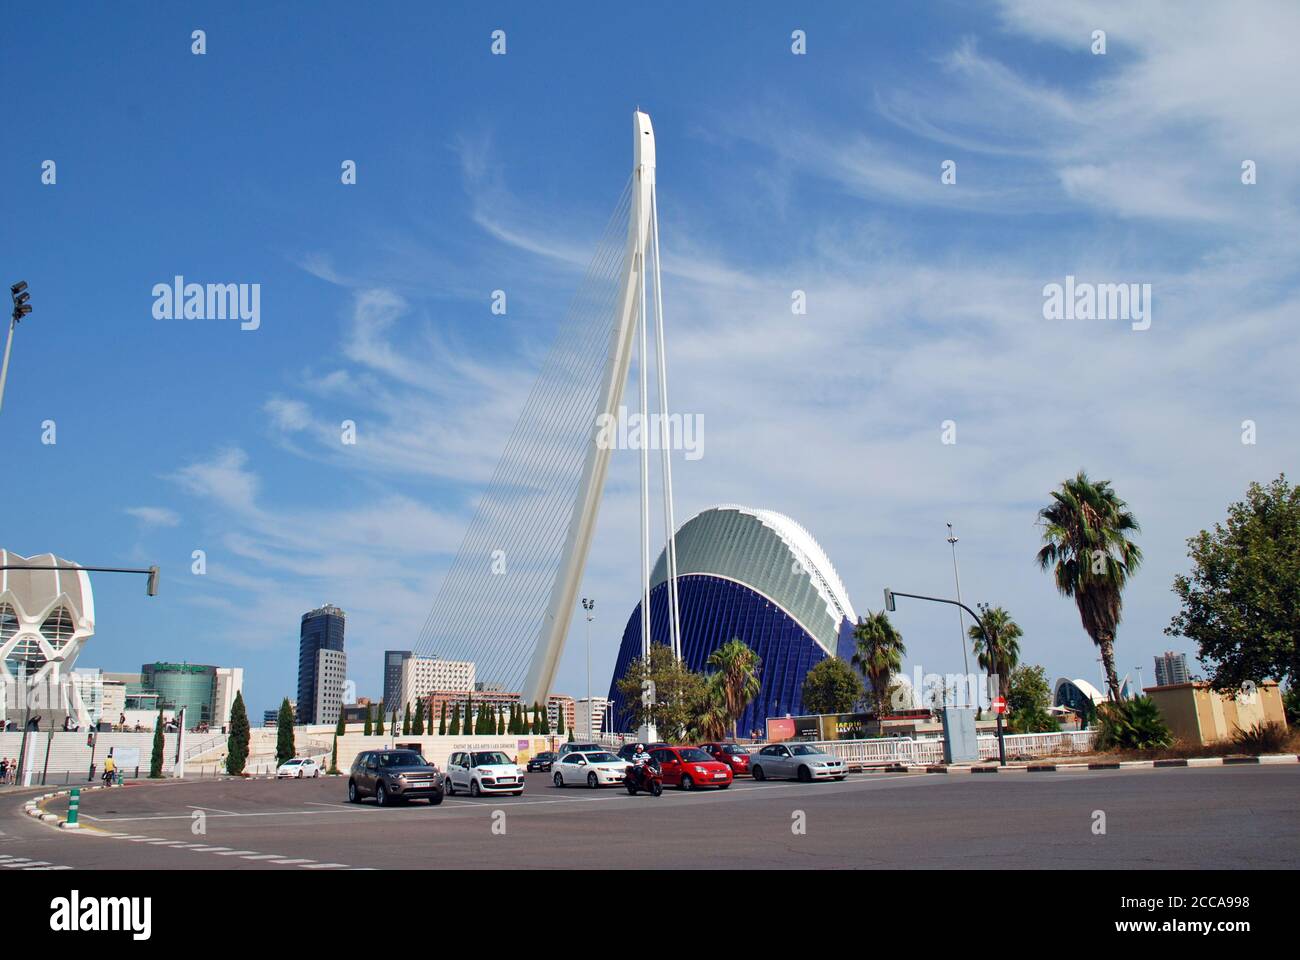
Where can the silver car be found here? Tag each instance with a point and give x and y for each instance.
(797, 761)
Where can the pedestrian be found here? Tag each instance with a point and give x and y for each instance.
(4, 770)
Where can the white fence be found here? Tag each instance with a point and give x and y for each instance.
(924, 752)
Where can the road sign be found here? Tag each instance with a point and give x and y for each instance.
(999, 704)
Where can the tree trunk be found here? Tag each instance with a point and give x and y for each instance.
(1107, 646)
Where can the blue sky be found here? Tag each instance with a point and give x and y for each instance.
(776, 172)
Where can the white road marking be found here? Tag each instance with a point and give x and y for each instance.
(323, 866)
(265, 856)
(292, 861)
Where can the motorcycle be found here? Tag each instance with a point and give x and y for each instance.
(645, 776)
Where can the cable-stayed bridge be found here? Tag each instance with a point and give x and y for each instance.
(508, 597)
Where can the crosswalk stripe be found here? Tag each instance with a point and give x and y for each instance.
(322, 866)
(235, 853)
(265, 856)
(292, 861)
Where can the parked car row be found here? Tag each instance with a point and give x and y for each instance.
(392, 775)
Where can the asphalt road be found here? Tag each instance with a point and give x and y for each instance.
(1211, 817)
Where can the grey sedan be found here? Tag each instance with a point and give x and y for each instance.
(797, 761)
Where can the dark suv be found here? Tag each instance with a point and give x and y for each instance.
(391, 775)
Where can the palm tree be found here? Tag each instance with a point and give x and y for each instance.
(1085, 545)
(714, 717)
(995, 644)
(879, 655)
(737, 668)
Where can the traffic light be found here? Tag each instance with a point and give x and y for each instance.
(152, 588)
(889, 600)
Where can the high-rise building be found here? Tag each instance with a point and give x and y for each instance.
(393, 660)
(322, 629)
(206, 693)
(420, 676)
(1171, 669)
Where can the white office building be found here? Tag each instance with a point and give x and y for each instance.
(421, 676)
(331, 672)
(588, 716)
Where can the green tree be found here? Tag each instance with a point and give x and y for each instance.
(342, 727)
(879, 655)
(678, 692)
(406, 720)
(501, 722)
(832, 686)
(442, 720)
(1028, 696)
(454, 729)
(559, 719)
(379, 727)
(284, 745)
(1241, 602)
(738, 666)
(1086, 546)
(996, 644)
(156, 761)
(334, 756)
(543, 720)
(417, 725)
(237, 742)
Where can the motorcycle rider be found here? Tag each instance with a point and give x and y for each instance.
(640, 760)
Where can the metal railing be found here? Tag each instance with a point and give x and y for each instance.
(879, 752)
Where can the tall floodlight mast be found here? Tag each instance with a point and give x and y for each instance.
(641, 263)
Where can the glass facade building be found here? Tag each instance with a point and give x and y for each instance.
(191, 687)
(758, 576)
(322, 629)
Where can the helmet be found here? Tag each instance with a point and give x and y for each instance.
(640, 748)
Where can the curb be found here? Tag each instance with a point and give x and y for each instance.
(1052, 766)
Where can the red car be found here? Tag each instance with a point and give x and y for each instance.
(689, 767)
(732, 754)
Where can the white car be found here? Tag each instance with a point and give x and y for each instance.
(298, 768)
(483, 771)
(595, 769)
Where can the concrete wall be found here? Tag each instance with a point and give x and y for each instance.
(438, 749)
(1197, 715)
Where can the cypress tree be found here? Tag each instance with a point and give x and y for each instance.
(342, 728)
(559, 717)
(368, 729)
(393, 726)
(334, 756)
(454, 729)
(284, 745)
(156, 761)
(442, 722)
(545, 720)
(406, 720)
(501, 723)
(237, 742)
(379, 730)
(417, 725)
(536, 726)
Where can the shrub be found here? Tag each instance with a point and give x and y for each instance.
(1131, 725)
(1261, 738)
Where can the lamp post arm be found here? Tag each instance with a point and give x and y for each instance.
(955, 603)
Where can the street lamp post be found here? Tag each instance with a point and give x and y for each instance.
(961, 620)
(889, 605)
(22, 307)
(151, 590)
(588, 606)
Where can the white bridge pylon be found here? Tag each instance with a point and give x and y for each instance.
(631, 324)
